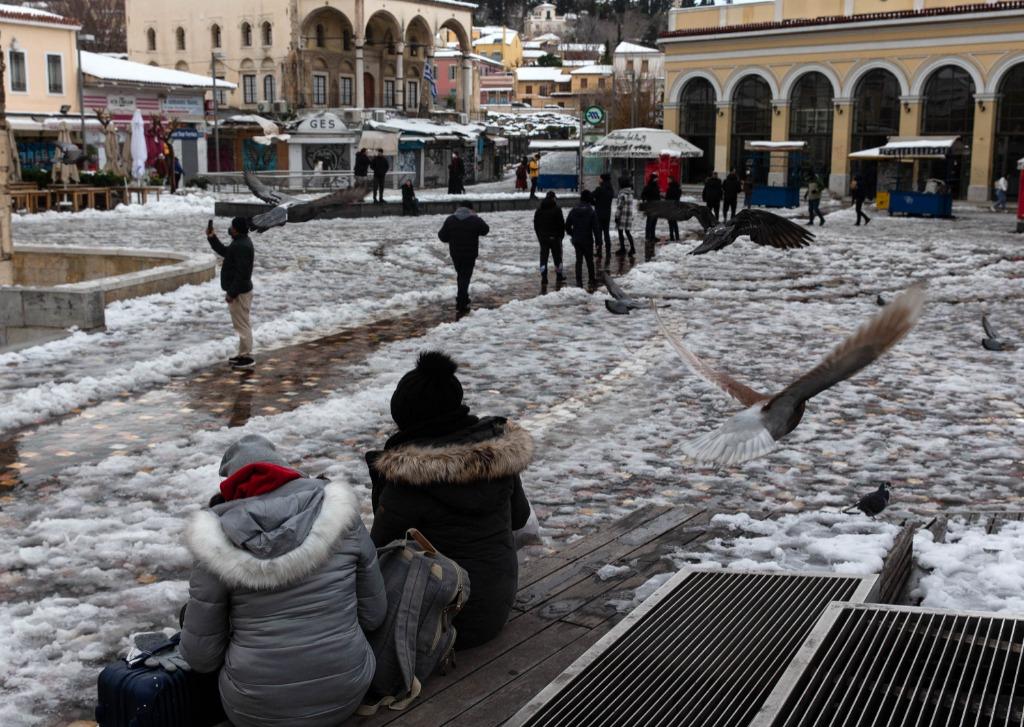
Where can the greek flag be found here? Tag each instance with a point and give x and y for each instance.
(428, 76)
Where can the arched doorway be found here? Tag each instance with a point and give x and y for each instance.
(810, 120)
(697, 125)
(949, 111)
(876, 117)
(751, 121)
(1010, 128)
(369, 99)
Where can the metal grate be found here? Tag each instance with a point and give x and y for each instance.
(706, 650)
(891, 666)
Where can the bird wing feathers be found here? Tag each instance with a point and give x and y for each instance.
(738, 391)
(742, 437)
(767, 228)
(347, 196)
(866, 344)
(987, 325)
(675, 211)
(259, 189)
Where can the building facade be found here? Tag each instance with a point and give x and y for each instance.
(544, 18)
(41, 55)
(845, 75)
(499, 44)
(298, 54)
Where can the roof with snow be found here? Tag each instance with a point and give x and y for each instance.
(25, 14)
(452, 53)
(548, 38)
(107, 68)
(532, 44)
(593, 47)
(495, 38)
(625, 47)
(593, 71)
(534, 53)
(538, 73)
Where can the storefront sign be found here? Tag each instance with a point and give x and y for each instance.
(183, 105)
(186, 133)
(322, 123)
(120, 104)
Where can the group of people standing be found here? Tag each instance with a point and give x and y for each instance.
(378, 164)
(528, 169)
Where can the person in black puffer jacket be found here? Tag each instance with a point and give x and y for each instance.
(604, 195)
(455, 478)
(712, 194)
(673, 193)
(462, 231)
(650, 193)
(549, 224)
(583, 227)
(730, 196)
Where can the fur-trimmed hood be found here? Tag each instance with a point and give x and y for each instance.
(238, 567)
(461, 461)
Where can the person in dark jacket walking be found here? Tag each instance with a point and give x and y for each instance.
(712, 195)
(272, 549)
(748, 191)
(457, 479)
(522, 172)
(462, 231)
(236, 282)
(604, 195)
(730, 196)
(549, 224)
(410, 205)
(380, 171)
(859, 194)
(813, 197)
(362, 165)
(456, 175)
(582, 225)
(674, 193)
(650, 193)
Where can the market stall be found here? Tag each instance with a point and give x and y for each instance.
(775, 169)
(559, 163)
(935, 199)
(657, 149)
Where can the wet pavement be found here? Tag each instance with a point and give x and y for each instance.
(285, 379)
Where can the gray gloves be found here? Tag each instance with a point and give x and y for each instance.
(155, 649)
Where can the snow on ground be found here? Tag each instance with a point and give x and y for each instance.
(98, 554)
(972, 569)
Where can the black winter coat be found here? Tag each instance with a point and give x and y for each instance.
(582, 225)
(650, 192)
(362, 166)
(549, 222)
(380, 166)
(713, 190)
(674, 192)
(604, 195)
(462, 231)
(236, 272)
(464, 493)
(731, 187)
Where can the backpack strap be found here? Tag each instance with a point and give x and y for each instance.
(407, 620)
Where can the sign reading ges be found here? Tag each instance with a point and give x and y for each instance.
(322, 123)
(594, 115)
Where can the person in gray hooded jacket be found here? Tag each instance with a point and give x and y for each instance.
(284, 585)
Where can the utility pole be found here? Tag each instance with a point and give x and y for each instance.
(216, 131)
(79, 37)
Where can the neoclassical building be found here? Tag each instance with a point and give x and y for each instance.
(845, 75)
(304, 53)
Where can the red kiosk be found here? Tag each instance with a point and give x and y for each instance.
(665, 166)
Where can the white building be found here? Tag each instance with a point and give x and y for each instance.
(544, 18)
(642, 62)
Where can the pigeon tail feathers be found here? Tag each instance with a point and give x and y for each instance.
(743, 437)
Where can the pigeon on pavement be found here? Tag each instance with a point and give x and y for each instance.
(769, 417)
(621, 304)
(992, 342)
(874, 502)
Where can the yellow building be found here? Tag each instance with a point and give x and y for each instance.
(540, 86)
(338, 54)
(845, 75)
(499, 44)
(41, 55)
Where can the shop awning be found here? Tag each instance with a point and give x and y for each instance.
(498, 140)
(922, 147)
(554, 145)
(642, 143)
(775, 145)
(386, 140)
(875, 154)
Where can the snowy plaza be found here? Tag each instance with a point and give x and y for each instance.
(112, 439)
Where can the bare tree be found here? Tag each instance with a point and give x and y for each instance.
(102, 19)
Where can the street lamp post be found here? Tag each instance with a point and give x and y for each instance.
(79, 38)
(214, 55)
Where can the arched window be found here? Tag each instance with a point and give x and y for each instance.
(697, 114)
(1010, 128)
(246, 35)
(751, 121)
(810, 120)
(267, 32)
(876, 117)
(215, 36)
(321, 35)
(150, 39)
(179, 38)
(269, 88)
(949, 110)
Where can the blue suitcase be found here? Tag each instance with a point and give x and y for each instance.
(134, 695)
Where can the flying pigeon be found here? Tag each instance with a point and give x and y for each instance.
(769, 417)
(622, 303)
(72, 153)
(992, 342)
(764, 228)
(667, 209)
(293, 209)
(873, 503)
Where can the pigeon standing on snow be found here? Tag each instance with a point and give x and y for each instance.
(763, 228)
(769, 417)
(622, 303)
(874, 502)
(992, 342)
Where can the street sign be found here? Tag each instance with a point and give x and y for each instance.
(594, 115)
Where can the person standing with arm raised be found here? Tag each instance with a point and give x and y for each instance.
(236, 282)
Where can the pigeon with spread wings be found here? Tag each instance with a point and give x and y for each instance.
(292, 209)
(763, 228)
(672, 210)
(621, 303)
(769, 417)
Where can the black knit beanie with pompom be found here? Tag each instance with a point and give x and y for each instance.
(429, 392)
